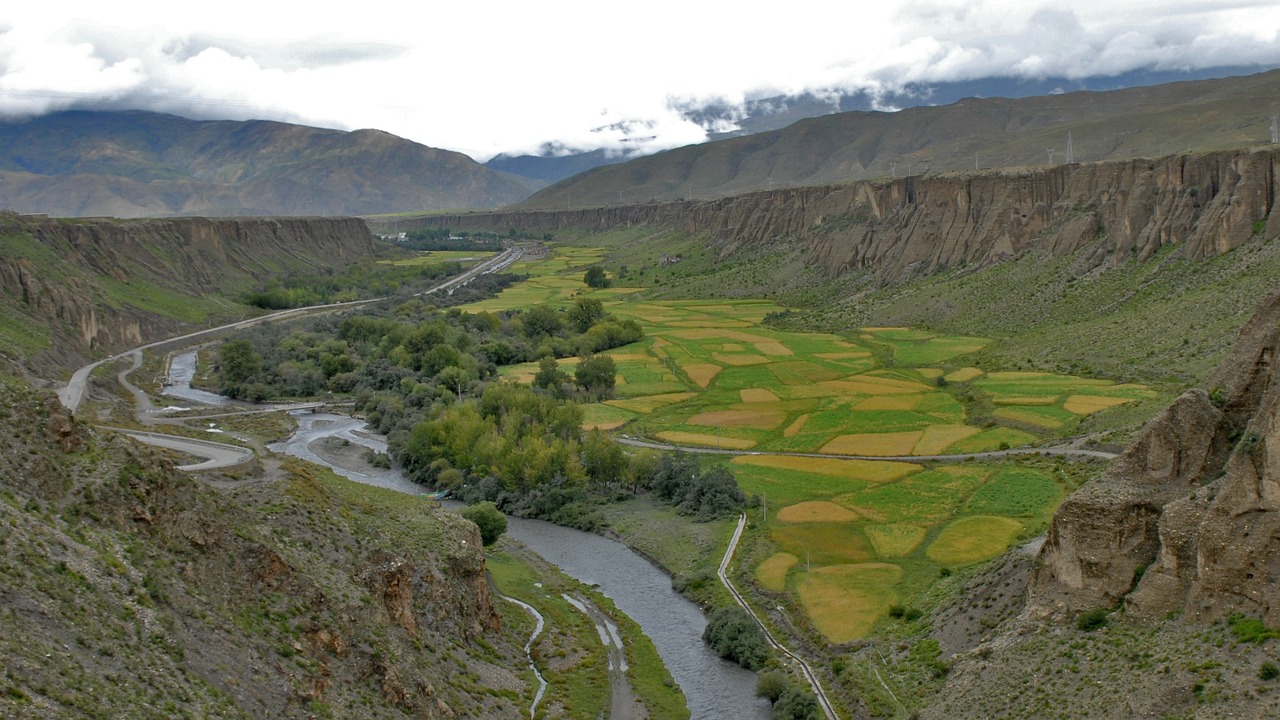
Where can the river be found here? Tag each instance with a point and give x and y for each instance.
(714, 688)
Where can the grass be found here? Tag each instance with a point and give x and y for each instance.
(973, 539)
(845, 602)
(772, 573)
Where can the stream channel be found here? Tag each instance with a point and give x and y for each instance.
(713, 687)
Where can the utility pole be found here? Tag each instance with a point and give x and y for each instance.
(975, 161)
(1275, 129)
(893, 168)
(807, 566)
(770, 184)
(1071, 155)
(1050, 151)
(766, 506)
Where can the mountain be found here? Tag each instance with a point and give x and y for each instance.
(142, 164)
(762, 114)
(1029, 132)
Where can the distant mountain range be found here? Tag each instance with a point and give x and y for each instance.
(773, 113)
(972, 133)
(142, 164)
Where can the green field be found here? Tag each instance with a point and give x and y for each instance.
(710, 373)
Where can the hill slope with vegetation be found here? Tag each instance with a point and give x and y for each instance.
(141, 164)
(971, 134)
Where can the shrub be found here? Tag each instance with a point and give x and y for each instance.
(1092, 620)
(1268, 671)
(489, 519)
(796, 704)
(735, 636)
(1251, 630)
(771, 685)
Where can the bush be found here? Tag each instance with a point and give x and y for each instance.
(735, 636)
(796, 704)
(771, 685)
(1092, 620)
(1268, 671)
(489, 519)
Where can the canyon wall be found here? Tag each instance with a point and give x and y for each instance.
(100, 285)
(1207, 203)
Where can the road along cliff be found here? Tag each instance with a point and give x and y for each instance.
(75, 288)
(1207, 203)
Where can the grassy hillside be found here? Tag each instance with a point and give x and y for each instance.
(972, 133)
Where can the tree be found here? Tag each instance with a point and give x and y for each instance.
(596, 278)
(734, 635)
(796, 704)
(596, 374)
(541, 320)
(489, 519)
(584, 313)
(771, 685)
(238, 362)
(549, 376)
(602, 458)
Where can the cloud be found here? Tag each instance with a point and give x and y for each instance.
(517, 76)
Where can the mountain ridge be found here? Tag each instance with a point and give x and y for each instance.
(142, 164)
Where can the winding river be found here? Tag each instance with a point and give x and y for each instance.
(714, 688)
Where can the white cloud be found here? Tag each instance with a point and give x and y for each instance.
(510, 76)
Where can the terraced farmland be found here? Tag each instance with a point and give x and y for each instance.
(844, 538)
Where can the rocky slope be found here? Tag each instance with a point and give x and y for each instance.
(1135, 603)
(1207, 204)
(81, 287)
(1187, 520)
(140, 164)
(128, 589)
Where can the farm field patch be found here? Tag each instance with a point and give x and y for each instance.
(845, 538)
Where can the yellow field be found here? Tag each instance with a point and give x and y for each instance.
(894, 540)
(816, 511)
(964, 375)
(1012, 413)
(775, 349)
(702, 373)
(973, 539)
(1029, 400)
(889, 402)
(1086, 404)
(796, 426)
(756, 395)
(732, 348)
(687, 438)
(876, 471)
(740, 359)
(720, 333)
(757, 419)
(845, 601)
(874, 444)
(850, 355)
(868, 385)
(937, 438)
(649, 403)
(772, 573)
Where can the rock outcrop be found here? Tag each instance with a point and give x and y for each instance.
(1207, 204)
(1188, 519)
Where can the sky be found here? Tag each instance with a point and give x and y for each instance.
(498, 76)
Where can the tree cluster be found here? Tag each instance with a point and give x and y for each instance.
(735, 636)
(704, 494)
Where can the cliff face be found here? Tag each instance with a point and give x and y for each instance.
(915, 226)
(1188, 519)
(106, 285)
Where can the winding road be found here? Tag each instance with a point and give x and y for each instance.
(1058, 451)
(220, 455)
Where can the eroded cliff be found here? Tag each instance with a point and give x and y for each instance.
(1187, 521)
(1205, 203)
(101, 286)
